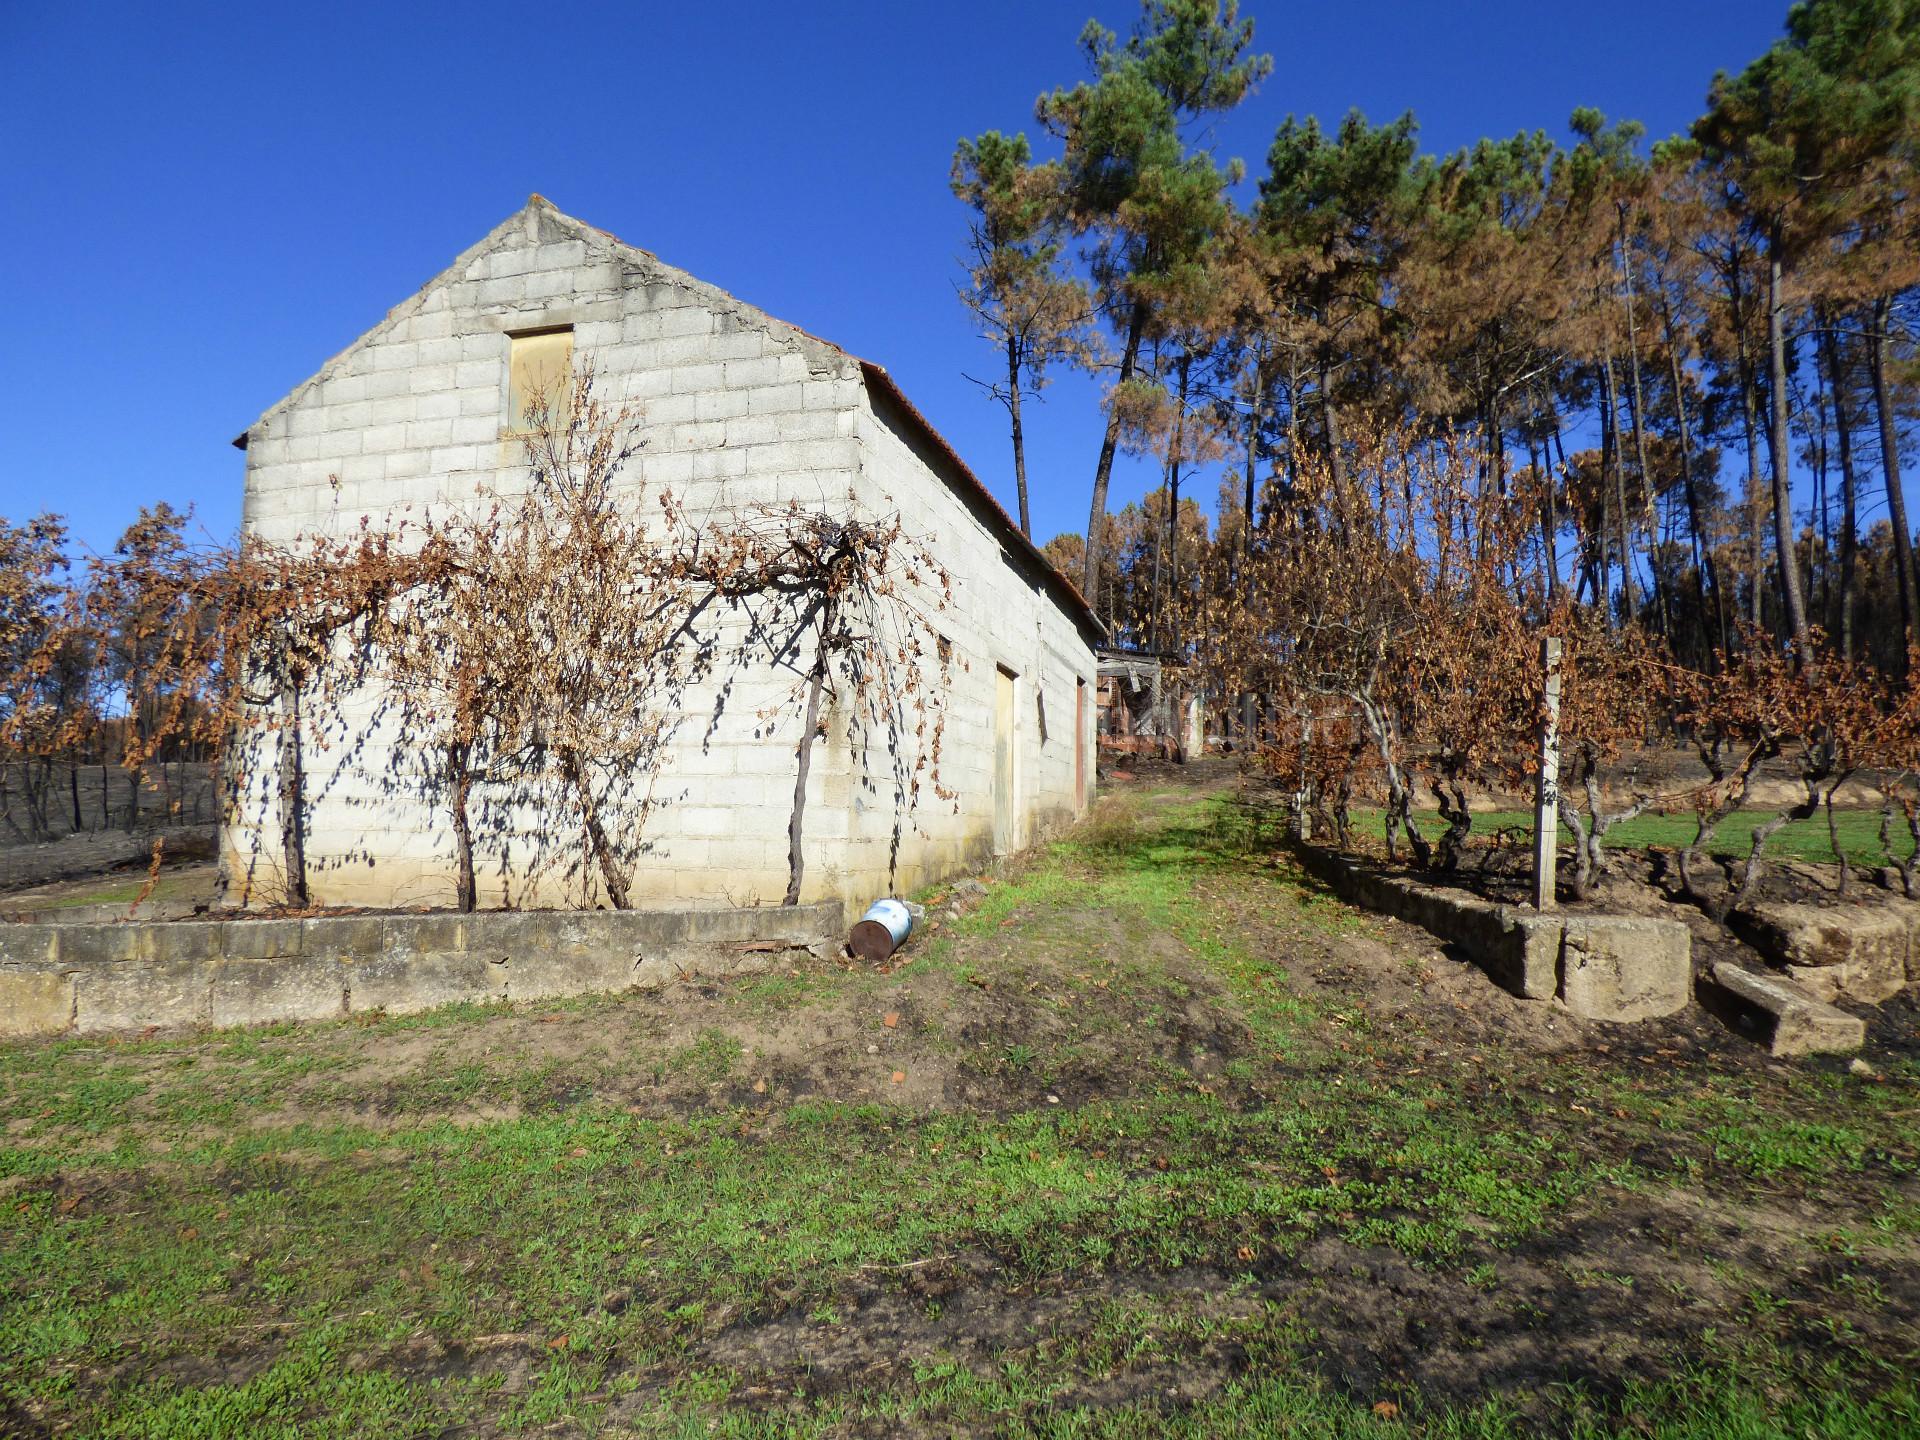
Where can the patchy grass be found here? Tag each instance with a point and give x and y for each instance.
(1153, 1139)
(190, 881)
(1859, 832)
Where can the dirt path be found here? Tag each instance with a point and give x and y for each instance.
(91, 859)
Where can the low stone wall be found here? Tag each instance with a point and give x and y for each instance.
(1602, 967)
(1867, 951)
(90, 978)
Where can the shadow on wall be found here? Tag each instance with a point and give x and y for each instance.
(516, 683)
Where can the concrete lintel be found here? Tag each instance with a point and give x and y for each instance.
(1799, 1023)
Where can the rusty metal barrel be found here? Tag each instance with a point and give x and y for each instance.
(881, 931)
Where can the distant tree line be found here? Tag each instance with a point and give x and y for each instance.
(1692, 365)
(1652, 400)
(91, 732)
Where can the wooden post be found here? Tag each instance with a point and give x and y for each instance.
(1546, 791)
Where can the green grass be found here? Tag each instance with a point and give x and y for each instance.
(1859, 832)
(358, 1240)
(177, 1261)
(125, 892)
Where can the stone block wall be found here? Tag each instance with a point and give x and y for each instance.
(739, 409)
(999, 616)
(1867, 950)
(1601, 967)
(87, 979)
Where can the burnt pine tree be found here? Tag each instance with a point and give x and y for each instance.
(1021, 299)
(1146, 198)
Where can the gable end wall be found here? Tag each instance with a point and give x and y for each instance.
(739, 409)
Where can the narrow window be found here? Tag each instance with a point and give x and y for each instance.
(1040, 712)
(539, 377)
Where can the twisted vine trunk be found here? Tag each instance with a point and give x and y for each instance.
(460, 773)
(1590, 830)
(293, 827)
(1457, 816)
(796, 858)
(599, 843)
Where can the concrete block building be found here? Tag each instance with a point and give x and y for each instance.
(739, 409)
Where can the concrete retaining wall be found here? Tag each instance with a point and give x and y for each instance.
(1602, 967)
(83, 978)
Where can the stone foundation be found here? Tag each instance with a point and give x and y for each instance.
(85, 978)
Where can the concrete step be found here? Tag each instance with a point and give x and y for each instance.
(1796, 1023)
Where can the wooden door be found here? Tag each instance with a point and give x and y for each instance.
(1004, 837)
(1080, 741)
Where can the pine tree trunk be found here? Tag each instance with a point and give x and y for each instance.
(1257, 393)
(1547, 445)
(1293, 420)
(1549, 580)
(1704, 578)
(1662, 616)
(1629, 601)
(1153, 583)
(1819, 589)
(1103, 472)
(1657, 586)
(1849, 511)
(1336, 462)
(1019, 440)
(1890, 463)
(1174, 457)
(1756, 558)
(1790, 595)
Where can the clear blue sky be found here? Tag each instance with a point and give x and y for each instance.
(205, 202)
